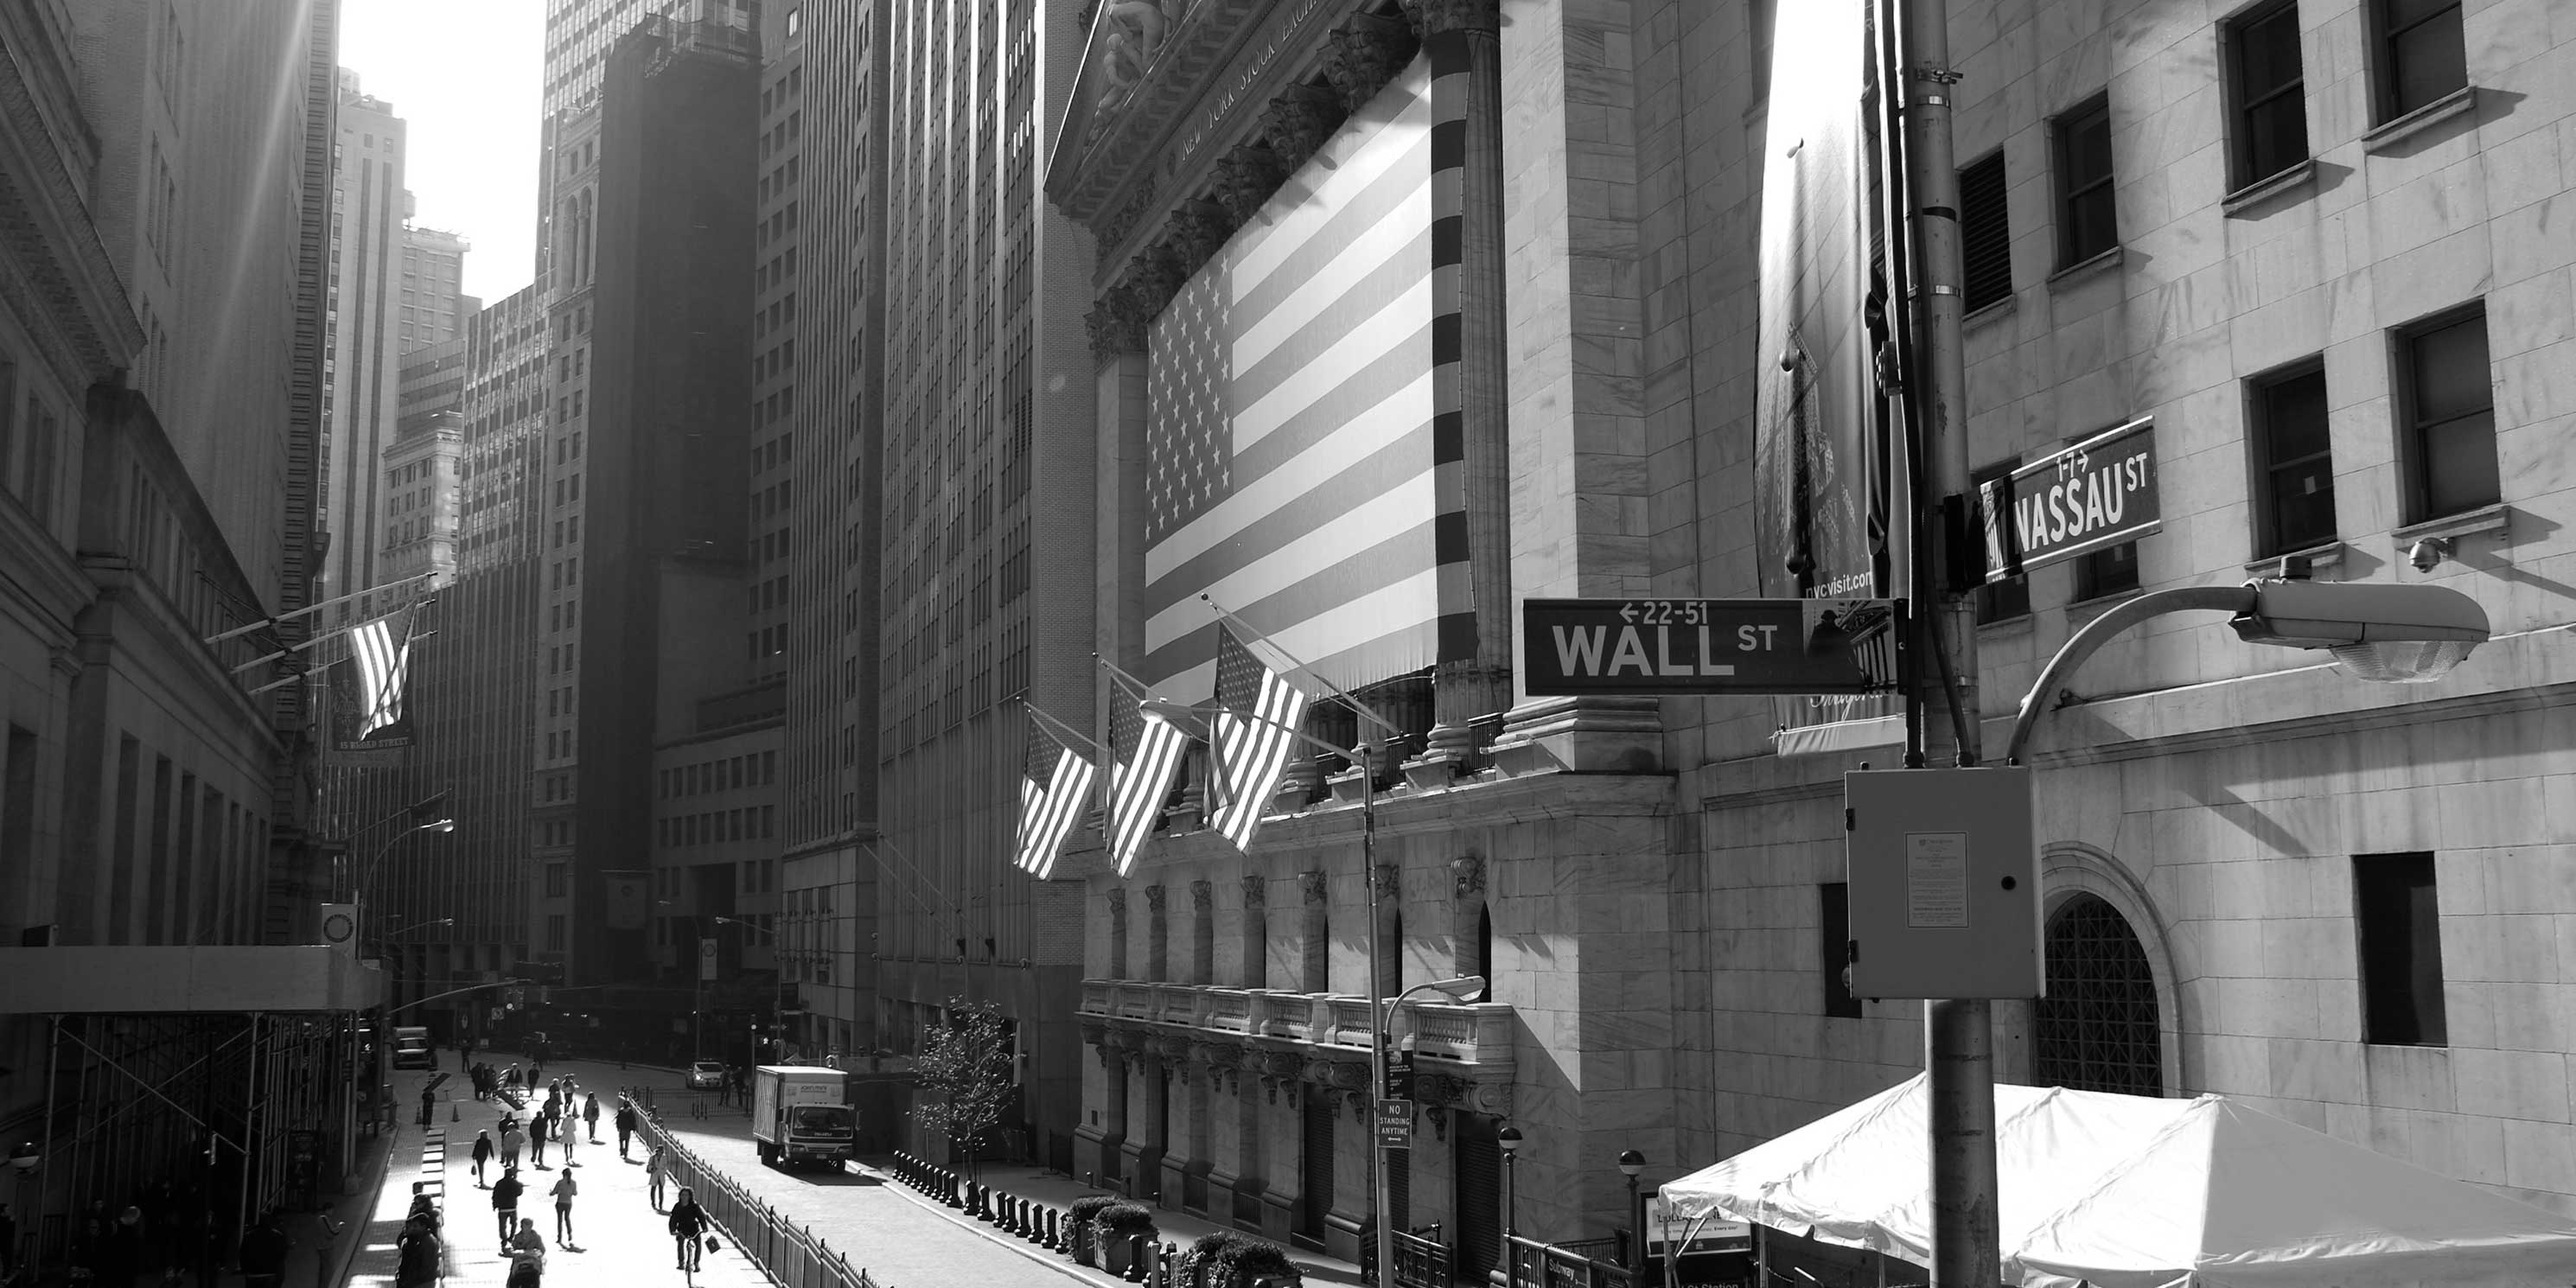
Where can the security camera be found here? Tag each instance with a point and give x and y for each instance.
(2429, 553)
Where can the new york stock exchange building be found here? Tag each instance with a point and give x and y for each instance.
(1404, 313)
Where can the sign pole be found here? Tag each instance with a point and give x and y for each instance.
(1958, 1038)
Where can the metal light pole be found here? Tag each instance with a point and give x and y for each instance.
(1509, 1138)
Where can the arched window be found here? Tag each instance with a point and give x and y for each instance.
(2098, 1029)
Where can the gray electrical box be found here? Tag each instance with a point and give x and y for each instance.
(1944, 876)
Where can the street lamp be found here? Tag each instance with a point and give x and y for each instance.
(404, 930)
(428, 815)
(1510, 1140)
(1182, 715)
(2390, 634)
(1630, 1164)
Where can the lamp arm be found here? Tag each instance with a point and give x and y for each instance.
(2084, 643)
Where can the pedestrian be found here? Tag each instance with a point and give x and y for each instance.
(482, 1154)
(537, 1133)
(625, 1125)
(525, 1241)
(567, 1133)
(505, 1203)
(263, 1253)
(590, 1115)
(428, 1102)
(688, 1221)
(512, 1139)
(422, 1206)
(564, 1189)
(416, 1264)
(657, 1170)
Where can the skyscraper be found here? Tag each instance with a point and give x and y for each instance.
(370, 208)
(434, 306)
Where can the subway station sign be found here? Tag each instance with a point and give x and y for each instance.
(1644, 647)
(2100, 492)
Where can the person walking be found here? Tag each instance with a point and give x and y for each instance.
(625, 1121)
(590, 1115)
(538, 1129)
(505, 1204)
(482, 1154)
(657, 1171)
(567, 1132)
(511, 1140)
(565, 1188)
(688, 1222)
(416, 1252)
(525, 1242)
(428, 1103)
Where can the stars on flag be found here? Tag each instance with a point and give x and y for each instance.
(1189, 428)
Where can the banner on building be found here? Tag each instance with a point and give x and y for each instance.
(1829, 487)
(1144, 755)
(1259, 712)
(370, 719)
(1297, 468)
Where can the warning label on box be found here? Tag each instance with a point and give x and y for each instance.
(1936, 879)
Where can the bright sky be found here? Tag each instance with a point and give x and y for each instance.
(464, 75)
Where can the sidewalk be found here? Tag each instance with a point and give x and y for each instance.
(619, 1238)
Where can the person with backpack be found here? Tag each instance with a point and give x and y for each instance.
(688, 1222)
(505, 1204)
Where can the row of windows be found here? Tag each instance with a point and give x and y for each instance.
(2443, 398)
(750, 823)
(730, 773)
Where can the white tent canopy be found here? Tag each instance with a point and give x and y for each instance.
(2136, 1192)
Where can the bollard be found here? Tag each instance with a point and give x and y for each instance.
(1051, 1230)
(451, 1110)
(1140, 1252)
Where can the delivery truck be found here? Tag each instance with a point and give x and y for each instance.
(802, 1115)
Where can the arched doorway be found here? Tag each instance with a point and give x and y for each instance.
(2098, 1029)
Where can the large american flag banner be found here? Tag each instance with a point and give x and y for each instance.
(1257, 717)
(1296, 470)
(1055, 790)
(1143, 756)
(369, 693)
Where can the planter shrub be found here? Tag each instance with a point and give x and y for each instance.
(1250, 1261)
(1125, 1218)
(1079, 1219)
(1198, 1265)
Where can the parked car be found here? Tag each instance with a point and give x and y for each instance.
(706, 1075)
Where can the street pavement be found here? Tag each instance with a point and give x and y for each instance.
(618, 1238)
(901, 1237)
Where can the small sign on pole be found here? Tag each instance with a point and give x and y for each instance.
(1395, 1124)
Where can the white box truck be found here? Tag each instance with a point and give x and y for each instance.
(801, 1114)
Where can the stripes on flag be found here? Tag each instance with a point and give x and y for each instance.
(1055, 790)
(381, 648)
(1258, 714)
(1143, 756)
(1296, 464)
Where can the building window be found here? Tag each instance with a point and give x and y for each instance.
(2001, 601)
(2397, 914)
(2446, 416)
(2295, 501)
(2088, 222)
(2267, 87)
(2423, 54)
(554, 932)
(1985, 233)
(558, 880)
(1834, 948)
(2111, 570)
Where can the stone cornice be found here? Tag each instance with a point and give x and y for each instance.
(1207, 84)
(55, 274)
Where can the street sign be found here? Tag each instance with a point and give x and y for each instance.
(2100, 492)
(1395, 1124)
(1574, 647)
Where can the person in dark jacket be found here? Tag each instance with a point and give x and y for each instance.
(625, 1126)
(264, 1248)
(688, 1222)
(417, 1252)
(505, 1204)
(483, 1151)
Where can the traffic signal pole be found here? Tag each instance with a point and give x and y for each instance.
(1957, 1033)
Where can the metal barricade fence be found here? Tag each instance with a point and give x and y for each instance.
(787, 1252)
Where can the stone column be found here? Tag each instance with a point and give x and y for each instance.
(1254, 969)
(1117, 326)
(1118, 965)
(1461, 38)
(1202, 932)
(1315, 948)
(1390, 927)
(1158, 936)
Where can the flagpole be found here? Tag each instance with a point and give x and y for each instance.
(1059, 728)
(1364, 710)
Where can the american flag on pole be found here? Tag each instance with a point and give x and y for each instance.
(1255, 731)
(1296, 467)
(1054, 792)
(382, 651)
(1143, 756)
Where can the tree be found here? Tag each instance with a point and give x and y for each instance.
(964, 1073)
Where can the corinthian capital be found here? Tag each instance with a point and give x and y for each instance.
(1367, 52)
(1434, 17)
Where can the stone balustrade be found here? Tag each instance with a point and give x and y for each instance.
(1468, 1049)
